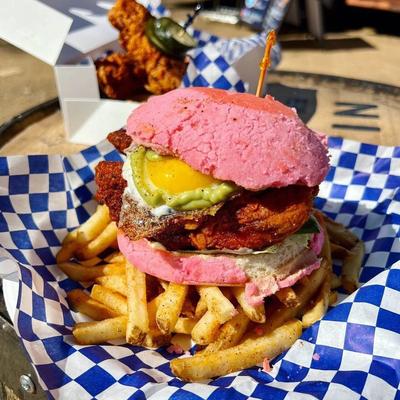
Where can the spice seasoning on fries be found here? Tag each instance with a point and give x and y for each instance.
(208, 232)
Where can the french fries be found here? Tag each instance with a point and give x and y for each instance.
(111, 299)
(114, 282)
(126, 303)
(252, 351)
(206, 330)
(338, 234)
(333, 298)
(305, 292)
(100, 331)
(255, 314)
(336, 281)
(71, 237)
(201, 308)
(155, 338)
(94, 226)
(339, 251)
(170, 307)
(320, 306)
(80, 301)
(230, 333)
(81, 273)
(152, 307)
(115, 257)
(351, 268)
(106, 238)
(66, 252)
(185, 325)
(91, 262)
(138, 318)
(288, 297)
(346, 246)
(217, 303)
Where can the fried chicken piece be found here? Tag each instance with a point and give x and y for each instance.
(110, 186)
(256, 220)
(120, 140)
(118, 77)
(163, 73)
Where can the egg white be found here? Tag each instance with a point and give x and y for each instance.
(133, 192)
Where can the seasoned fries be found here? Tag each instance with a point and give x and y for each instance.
(288, 297)
(66, 252)
(110, 298)
(185, 325)
(252, 351)
(338, 234)
(114, 282)
(339, 251)
(106, 238)
(230, 333)
(80, 301)
(91, 262)
(81, 273)
(336, 281)
(115, 257)
(217, 303)
(94, 226)
(320, 306)
(351, 268)
(201, 308)
(100, 331)
(170, 307)
(255, 314)
(155, 338)
(305, 292)
(126, 303)
(206, 330)
(138, 318)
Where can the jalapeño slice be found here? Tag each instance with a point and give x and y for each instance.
(169, 37)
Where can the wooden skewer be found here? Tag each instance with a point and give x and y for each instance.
(266, 61)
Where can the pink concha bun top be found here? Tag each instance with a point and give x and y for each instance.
(255, 142)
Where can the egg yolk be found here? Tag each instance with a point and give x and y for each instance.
(175, 176)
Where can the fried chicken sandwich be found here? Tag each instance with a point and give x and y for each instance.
(217, 188)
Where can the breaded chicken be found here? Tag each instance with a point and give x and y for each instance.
(110, 186)
(163, 73)
(256, 220)
(118, 77)
(120, 140)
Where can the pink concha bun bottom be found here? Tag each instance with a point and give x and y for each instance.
(213, 270)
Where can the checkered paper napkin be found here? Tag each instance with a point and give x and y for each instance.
(353, 353)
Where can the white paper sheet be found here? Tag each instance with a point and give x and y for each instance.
(34, 27)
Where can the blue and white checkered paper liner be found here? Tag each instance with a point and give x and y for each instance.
(353, 353)
(212, 63)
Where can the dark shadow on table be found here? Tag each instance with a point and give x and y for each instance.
(326, 44)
